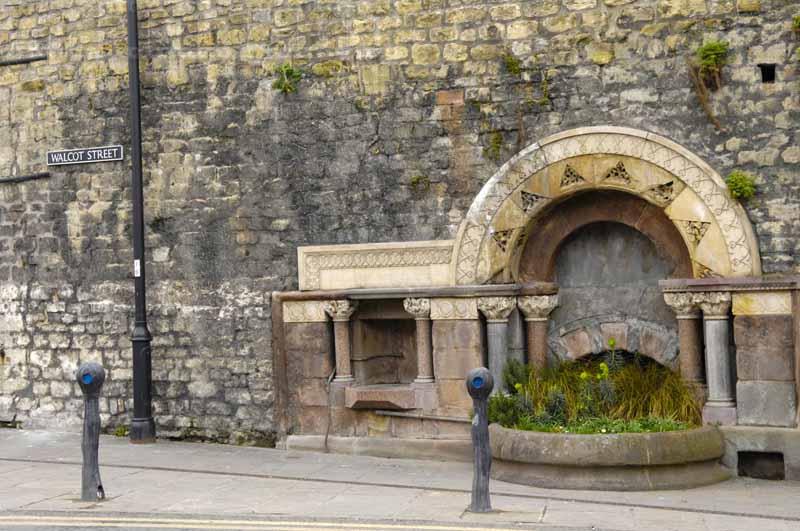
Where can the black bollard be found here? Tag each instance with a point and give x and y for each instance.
(479, 386)
(91, 377)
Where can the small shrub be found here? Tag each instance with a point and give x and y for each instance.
(741, 184)
(514, 373)
(796, 24)
(288, 77)
(121, 431)
(705, 71)
(711, 57)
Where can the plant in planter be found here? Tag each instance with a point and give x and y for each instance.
(595, 396)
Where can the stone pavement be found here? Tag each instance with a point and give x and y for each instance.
(275, 489)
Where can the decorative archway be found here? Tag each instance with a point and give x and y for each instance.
(717, 233)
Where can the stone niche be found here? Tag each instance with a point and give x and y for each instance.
(383, 350)
(608, 276)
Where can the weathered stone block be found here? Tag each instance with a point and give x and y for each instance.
(764, 347)
(457, 334)
(763, 403)
(308, 337)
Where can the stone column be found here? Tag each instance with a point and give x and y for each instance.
(721, 405)
(421, 310)
(340, 311)
(689, 336)
(496, 310)
(536, 310)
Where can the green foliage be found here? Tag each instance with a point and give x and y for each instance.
(420, 183)
(796, 23)
(288, 77)
(604, 425)
(121, 431)
(741, 184)
(712, 56)
(587, 396)
(514, 373)
(492, 151)
(513, 64)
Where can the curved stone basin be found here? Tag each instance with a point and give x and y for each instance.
(623, 461)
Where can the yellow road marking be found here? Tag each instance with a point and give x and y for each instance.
(176, 523)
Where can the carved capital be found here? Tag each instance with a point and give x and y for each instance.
(497, 308)
(715, 304)
(537, 307)
(683, 304)
(419, 308)
(340, 310)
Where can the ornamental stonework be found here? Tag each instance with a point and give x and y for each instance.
(419, 308)
(496, 308)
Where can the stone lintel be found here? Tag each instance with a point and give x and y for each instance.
(732, 284)
(381, 397)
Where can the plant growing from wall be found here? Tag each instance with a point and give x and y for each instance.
(705, 70)
(513, 64)
(288, 78)
(420, 183)
(492, 151)
(796, 24)
(741, 184)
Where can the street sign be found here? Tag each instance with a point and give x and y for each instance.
(84, 155)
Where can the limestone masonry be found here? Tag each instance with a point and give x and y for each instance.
(404, 111)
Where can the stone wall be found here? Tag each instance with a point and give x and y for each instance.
(404, 110)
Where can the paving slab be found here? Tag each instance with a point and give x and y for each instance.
(40, 473)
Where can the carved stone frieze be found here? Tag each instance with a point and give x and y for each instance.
(571, 177)
(355, 261)
(419, 308)
(453, 309)
(715, 304)
(304, 312)
(683, 304)
(340, 310)
(537, 307)
(496, 308)
(762, 303)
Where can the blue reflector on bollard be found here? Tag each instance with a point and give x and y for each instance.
(477, 383)
(87, 378)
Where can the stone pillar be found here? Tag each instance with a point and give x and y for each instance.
(721, 405)
(496, 310)
(689, 336)
(536, 310)
(340, 311)
(421, 310)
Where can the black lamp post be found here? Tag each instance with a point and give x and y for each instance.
(143, 428)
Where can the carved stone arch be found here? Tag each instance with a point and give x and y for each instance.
(716, 230)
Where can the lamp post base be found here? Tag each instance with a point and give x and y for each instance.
(143, 431)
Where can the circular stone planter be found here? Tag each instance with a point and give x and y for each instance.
(620, 461)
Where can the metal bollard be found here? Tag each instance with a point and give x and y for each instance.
(479, 386)
(91, 377)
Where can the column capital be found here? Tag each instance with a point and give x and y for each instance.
(340, 310)
(537, 307)
(497, 308)
(419, 308)
(683, 304)
(715, 304)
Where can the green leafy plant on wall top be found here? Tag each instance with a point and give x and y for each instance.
(796, 24)
(288, 78)
(741, 184)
